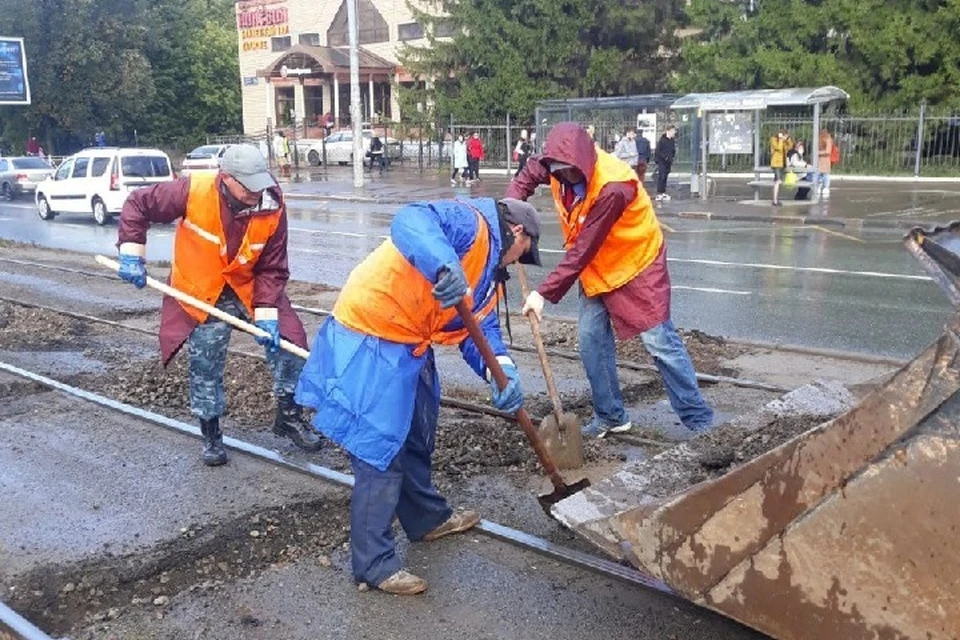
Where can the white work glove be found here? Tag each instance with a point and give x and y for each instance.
(534, 303)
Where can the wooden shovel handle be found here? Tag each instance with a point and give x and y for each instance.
(541, 350)
(470, 323)
(212, 310)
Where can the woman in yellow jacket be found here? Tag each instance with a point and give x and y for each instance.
(780, 144)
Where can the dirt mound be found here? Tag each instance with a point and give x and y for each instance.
(60, 598)
(24, 327)
(713, 454)
(709, 353)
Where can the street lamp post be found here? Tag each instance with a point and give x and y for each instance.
(355, 117)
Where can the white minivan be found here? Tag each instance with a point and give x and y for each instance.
(99, 180)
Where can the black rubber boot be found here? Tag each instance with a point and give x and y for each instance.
(290, 423)
(214, 454)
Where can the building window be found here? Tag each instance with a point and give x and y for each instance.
(310, 39)
(410, 31)
(443, 28)
(280, 44)
(373, 28)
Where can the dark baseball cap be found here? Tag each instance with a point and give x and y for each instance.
(526, 215)
(248, 166)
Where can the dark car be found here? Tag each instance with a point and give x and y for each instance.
(20, 176)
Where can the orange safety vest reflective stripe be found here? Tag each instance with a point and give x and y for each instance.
(387, 297)
(200, 267)
(633, 243)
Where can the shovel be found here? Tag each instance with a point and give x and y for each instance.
(560, 431)
(212, 310)
(561, 490)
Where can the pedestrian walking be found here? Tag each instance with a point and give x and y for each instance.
(474, 155)
(521, 151)
(664, 155)
(643, 156)
(230, 249)
(827, 152)
(780, 144)
(372, 377)
(281, 151)
(460, 162)
(617, 253)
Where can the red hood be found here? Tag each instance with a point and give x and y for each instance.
(567, 142)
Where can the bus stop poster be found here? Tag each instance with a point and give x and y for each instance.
(14, 86)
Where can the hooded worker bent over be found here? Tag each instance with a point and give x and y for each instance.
(230, 250)
(615, 251)
(371, 374)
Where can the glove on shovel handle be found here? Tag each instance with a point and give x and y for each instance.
(207, 308)
(501, 379)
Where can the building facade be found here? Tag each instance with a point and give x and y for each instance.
(295, 64)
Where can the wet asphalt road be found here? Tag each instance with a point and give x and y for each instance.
(817, 286)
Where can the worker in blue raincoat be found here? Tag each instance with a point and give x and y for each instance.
(371, 374)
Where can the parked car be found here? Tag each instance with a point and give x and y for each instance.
(99, 180)
(340, 148)
(204, 158)
(19, 176)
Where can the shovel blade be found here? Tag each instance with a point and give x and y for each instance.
(561, 493)
(563, 440)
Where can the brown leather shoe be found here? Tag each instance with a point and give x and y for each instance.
(457, 523)
(403, 583)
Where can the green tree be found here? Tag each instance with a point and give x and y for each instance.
(505, 55)
(889, 54)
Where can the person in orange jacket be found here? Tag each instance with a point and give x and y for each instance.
(617, 255)
(372, 378)
(230, 250)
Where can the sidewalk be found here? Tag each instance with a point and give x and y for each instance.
(853, 205)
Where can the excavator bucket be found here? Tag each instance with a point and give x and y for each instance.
(847, 531)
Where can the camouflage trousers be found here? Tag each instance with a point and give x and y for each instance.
(207, 354)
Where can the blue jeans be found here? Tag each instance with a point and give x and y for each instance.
(598, 354)
(825, 180)
(404, 489)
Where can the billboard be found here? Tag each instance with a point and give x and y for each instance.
(14, 86)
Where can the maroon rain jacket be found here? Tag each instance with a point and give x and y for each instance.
(640, 304)
(166, 202)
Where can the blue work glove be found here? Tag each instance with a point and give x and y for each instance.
(451, 286)
(510, 400)
(272, 343)
(133, 269)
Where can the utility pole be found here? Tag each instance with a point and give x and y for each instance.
(355, 117)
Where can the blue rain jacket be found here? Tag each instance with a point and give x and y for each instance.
(362, 386)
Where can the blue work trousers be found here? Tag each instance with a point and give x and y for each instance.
(405, 489)
(598, 353)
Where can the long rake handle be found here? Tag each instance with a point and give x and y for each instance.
(203, 306)
(501, 379)
(541, 349)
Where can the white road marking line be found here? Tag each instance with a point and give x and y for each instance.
(731, 292)
(782, 267)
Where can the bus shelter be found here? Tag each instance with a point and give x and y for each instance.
(731, 120)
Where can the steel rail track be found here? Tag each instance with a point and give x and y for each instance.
(444, 400)
(13, 626)
(759, 344)
(489, 528)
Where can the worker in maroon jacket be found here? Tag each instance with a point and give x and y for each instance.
(230, 250)
(616, 254)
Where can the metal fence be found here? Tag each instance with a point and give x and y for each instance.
(923, 143)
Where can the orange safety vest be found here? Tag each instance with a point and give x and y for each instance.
(633, 243)
(387, 297)
(200, 267)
